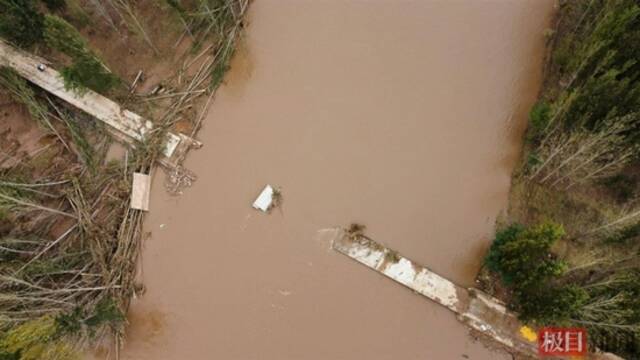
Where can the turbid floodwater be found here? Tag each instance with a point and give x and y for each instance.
(405, 116)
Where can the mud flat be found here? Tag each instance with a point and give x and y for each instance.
(404, 116)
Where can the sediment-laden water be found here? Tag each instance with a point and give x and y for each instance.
(405, 116)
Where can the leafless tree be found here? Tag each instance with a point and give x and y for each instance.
(568, 158)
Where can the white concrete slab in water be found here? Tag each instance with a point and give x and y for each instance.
(265, 199)
(402, 270)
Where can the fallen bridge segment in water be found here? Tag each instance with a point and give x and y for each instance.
(476, 309)
(123, 124)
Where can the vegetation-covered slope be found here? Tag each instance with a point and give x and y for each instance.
(569, 251)
(69, 242)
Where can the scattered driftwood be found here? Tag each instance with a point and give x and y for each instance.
(134, 84)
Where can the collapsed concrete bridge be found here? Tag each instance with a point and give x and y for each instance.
(123, 124)
(474, 308)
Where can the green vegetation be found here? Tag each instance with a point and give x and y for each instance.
(62, 36)
(23, 24)
(550, 304)
(21, 92)
(68, 244)
(51, 338)
(20, 22)
(539, 117)
(55, 5)
(37, 339)
(523, 259)
(580, 169)
(86, 71)
(68, 240)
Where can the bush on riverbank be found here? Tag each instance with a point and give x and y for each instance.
(523, 259)
(521, 255)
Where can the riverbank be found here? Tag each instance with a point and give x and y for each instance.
(69, 241)
(579, 176)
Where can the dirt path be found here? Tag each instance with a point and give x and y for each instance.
(404, 116)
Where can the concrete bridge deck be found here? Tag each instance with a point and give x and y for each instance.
(123, 124)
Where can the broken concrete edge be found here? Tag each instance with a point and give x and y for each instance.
(124, 125)
(485, 329)
(404, 271)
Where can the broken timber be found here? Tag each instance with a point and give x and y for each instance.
(479, 311)
(125, 125)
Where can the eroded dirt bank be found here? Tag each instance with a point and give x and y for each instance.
(404, 116)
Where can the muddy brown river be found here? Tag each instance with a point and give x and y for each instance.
(405, 116)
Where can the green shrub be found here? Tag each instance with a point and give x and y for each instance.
(88, 73)
(533, 160)
(562, 55)
(70, 323)
(522, 256)
(494, 257)
(599, 69)
(54, 5)
(20, 22)
(35, 340)
(64, 37)
(539, 116)
(550, 305)
(106, 312)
